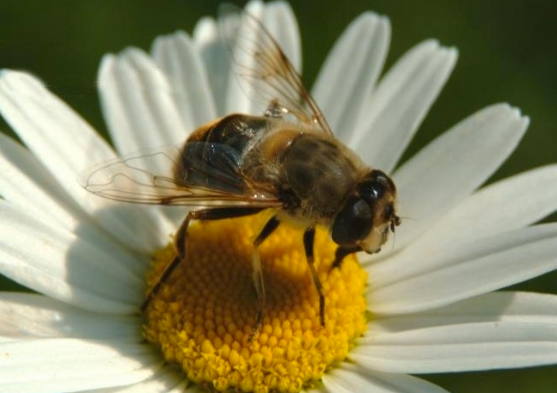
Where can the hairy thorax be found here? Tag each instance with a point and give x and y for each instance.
(312, 172)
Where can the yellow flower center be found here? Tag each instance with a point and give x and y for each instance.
(204, 314)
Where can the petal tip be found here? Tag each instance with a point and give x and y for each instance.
(205, 30)
(450, 54)
(279, 6)
(372, 21)
(515, 112)
(5, 72)
(451, 50)
(106, 61)
(105, 68)
(255, 7)
(430, 43)
(131, 52)
(14, 81)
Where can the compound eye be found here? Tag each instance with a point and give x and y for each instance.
(373, 190)
(353, 223)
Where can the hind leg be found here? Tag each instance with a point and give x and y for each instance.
(181, 237)
(257, 272)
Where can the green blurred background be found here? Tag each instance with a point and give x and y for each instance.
(508, 52)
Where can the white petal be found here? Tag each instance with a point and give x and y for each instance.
(27, 315)
(166, 380)
(493, 331)
(280, 21)
(140, 106)
(66, 145)
(445, 172)
(181, 64)
(140, 228)
(349, 378)
(138, 103)
(399, 104)
(216, 61)
(49, 365)
(410, 282)
(507, 307)
(346, 80)
(503, 206)
(54, 132)
(25, 182)
(428, 358)
(45, 124)
(241, 97)
(231, 96)
(63, 265)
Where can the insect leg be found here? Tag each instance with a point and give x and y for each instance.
(309, 237)
(181, 236)
(342, 252)
(257, 272)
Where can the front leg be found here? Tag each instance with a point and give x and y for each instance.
(342, 252)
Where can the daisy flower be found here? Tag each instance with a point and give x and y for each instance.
(426, 304)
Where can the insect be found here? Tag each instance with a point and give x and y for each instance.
(287, 160)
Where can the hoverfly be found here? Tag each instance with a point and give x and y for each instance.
(287, 160)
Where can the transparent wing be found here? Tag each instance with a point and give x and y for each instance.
(262, 66)
(150, 177)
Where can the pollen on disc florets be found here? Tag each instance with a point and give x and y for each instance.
(204, 314)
